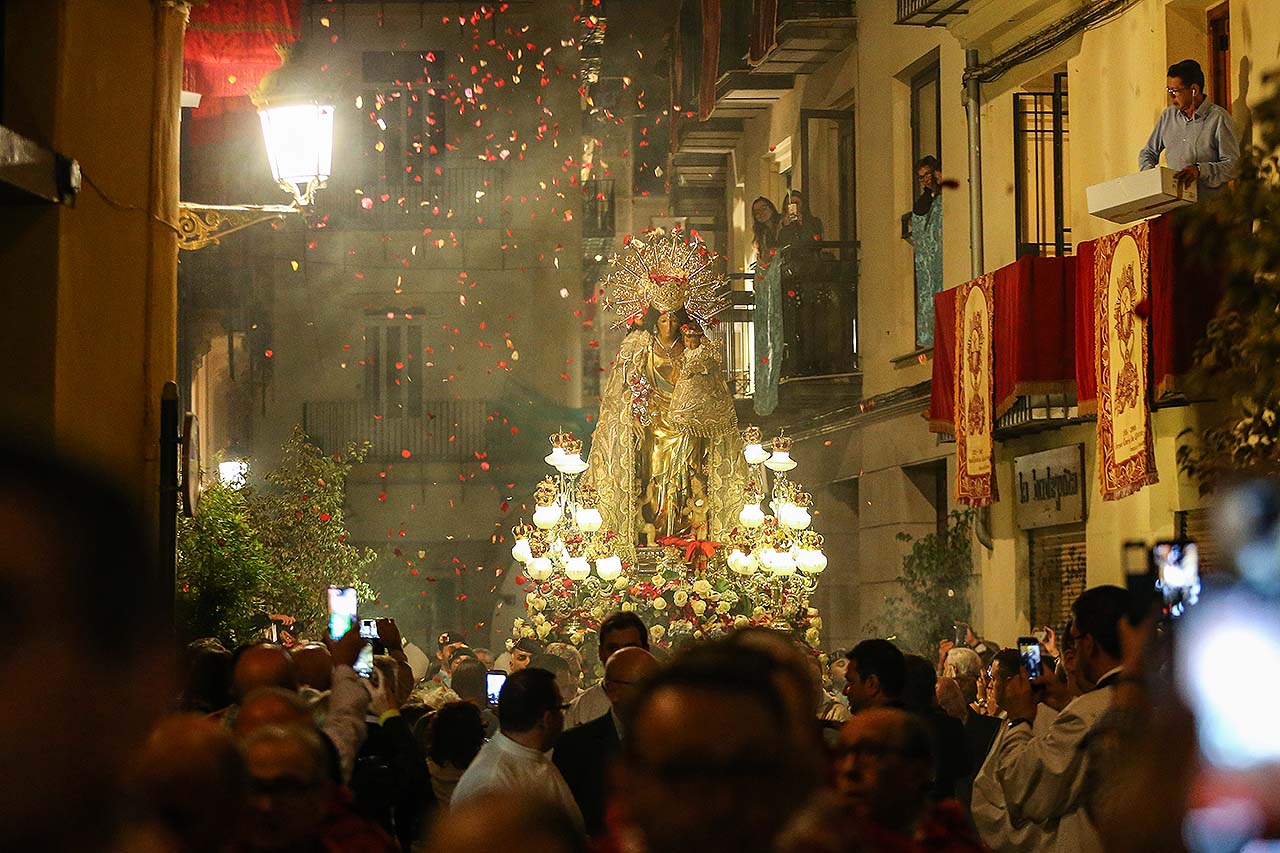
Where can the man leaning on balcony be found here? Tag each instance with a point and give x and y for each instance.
(1196, 134)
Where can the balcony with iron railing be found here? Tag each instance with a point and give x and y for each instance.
(442, 431)
(819, 372)
(932, 13)
(462, 196)
(820, 309)
(1032, 414)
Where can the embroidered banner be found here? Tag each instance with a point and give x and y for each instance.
(1121, 278)
(975, 393)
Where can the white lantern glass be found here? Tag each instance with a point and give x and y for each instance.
(755, 453)
(589, 519)
(547, 517)
(555, 457)
(540, 568)
(571, 464)
(751, 516)
(609, 568)
(811, 561)
(299, 140)
(577, 569)
(780, 461)
(520, 551)
(784, 563)
(232, 472)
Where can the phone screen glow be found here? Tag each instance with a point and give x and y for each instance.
(343, 605)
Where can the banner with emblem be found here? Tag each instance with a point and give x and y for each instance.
(975, 392)
(1121, 281)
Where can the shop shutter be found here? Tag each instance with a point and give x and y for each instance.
(1057, 558)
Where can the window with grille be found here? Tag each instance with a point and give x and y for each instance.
(395, 168)
(1057, 558)
(1040, 140)
(393, 365)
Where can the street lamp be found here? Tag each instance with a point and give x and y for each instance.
(297, 127)
(233, 471)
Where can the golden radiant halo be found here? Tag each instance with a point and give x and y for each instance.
(667, 272)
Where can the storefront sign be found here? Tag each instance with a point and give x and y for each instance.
(1050, 487)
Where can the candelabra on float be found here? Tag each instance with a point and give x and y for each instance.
(777, 552)
(566, 538)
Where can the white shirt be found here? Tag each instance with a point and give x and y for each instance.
(504, 766)
(591, 704)
(1029, 794)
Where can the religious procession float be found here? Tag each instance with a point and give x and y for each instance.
(663, 517)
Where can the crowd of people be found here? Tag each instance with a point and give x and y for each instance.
(748, 742)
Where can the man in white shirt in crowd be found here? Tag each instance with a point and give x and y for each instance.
(517, 760)
(619, 631)
(1029, 795)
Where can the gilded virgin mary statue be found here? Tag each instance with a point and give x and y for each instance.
(666, 454)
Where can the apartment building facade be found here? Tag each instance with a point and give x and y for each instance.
(841, 103)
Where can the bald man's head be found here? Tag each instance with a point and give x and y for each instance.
(271, 706)
(191, 775)
(263, 665)
(885, 766)
(314, 666)
(624, 670)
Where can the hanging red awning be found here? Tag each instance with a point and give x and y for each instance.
(764, 30)
(1035, 338)
(230, 46)
(1183, 298)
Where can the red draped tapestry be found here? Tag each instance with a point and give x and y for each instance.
(1034, 337)
(1183, 297)
(1115, 272)
(975, 392)
(764, 30)
(230, 46)
(710, 58)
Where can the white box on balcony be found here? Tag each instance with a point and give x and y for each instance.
(1139, 196)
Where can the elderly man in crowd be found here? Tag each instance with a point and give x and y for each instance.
(709, 763)
(884, 775)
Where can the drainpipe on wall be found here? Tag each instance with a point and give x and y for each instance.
(973, 107)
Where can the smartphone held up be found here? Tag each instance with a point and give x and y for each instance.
(343, 616)
(1029, 651)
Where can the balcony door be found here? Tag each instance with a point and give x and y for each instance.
(827, 170)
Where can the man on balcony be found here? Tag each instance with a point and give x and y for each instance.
(1197, 135)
